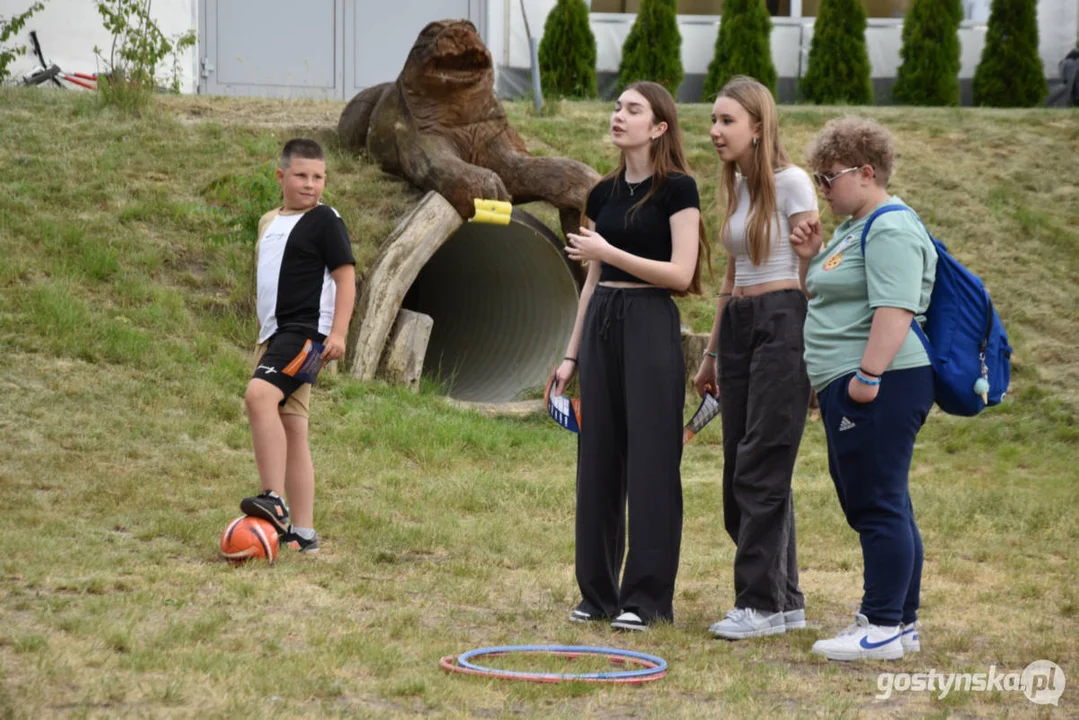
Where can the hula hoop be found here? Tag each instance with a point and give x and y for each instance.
(652, 667)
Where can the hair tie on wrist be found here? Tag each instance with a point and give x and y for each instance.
(711, 354)
(867, 373)
(571, 359)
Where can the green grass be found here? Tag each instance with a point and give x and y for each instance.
(126, 317)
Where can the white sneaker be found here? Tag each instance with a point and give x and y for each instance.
(909, 638)
(794, 619)
(863, 641)
(742, 623)
(629, 621)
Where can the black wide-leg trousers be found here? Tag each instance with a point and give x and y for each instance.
(764, 392)
(632, 378)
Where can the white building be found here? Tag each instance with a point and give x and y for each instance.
(334, 48)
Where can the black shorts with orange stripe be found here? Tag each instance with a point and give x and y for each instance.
(286, 352)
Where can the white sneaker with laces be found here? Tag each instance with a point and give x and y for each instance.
(909, 638)
(742, 623)
(863, 641)
(794, 619)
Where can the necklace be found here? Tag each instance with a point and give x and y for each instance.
(632, 186)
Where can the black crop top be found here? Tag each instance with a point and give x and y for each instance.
(647, 233)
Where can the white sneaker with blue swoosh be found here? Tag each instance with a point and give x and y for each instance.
(863, 641)
(910, 640)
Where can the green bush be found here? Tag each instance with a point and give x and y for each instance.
(139, 49)
(1010, 73)
(839, 70)
(929, 73)
(567, 53)
(653, 49)
(743, 47)
(8, 28)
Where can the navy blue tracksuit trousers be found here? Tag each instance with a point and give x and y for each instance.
(870, 447)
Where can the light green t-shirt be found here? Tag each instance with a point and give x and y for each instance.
(897, 271)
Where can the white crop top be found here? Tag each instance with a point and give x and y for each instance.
(794, 194)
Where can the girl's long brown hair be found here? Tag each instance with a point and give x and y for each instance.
(768, 155)
(667, 157)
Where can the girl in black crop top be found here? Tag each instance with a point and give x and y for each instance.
(643, 241)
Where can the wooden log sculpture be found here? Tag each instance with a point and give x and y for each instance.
(440, 126)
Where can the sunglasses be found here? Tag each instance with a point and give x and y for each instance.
(825, 180)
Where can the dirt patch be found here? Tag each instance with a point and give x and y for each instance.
(255, 112)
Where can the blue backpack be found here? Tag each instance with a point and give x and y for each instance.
(963, 335)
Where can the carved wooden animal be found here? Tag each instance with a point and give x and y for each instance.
(440, 126)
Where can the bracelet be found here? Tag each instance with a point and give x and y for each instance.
(864, 380)
(709, 353)
(867, 373)
(571, 359)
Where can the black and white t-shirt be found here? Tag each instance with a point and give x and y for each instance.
(295, 255)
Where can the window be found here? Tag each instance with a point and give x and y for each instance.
(685, 7)
(873, 8)
(778, 8)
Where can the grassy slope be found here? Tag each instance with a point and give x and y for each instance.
(126, 325)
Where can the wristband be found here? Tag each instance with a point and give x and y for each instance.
(709, 353)
(864, 380)
(571, 359)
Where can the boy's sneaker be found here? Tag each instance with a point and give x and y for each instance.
(863, 641)
(629, 621)
(742, 623)
(909, 638)
(267, 506)
(794, 619)
(300, 543)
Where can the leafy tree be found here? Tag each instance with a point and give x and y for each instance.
(929, 73)
(653, 49)
(839, 70)
(1010, 73)
(567, 53)
(743, 47)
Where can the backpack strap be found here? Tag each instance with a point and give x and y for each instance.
(865, 234)
(876, 214)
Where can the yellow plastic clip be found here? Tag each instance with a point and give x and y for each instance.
(486, 216)
(499, 207)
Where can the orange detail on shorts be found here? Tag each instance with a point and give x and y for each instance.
(298, 361)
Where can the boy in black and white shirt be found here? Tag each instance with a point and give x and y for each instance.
(306, 292)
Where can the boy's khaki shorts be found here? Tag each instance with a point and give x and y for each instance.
(299, 401)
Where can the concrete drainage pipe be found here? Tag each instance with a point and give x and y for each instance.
(503, 300)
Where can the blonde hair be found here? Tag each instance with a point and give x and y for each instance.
(854, 141)
(768, 155)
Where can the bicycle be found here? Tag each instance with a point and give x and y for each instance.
(51, 72)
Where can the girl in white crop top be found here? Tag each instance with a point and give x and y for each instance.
(795, 197)
(754, 358)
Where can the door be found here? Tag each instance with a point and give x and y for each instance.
(375, 50)
(272, 48)
(328, 49)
